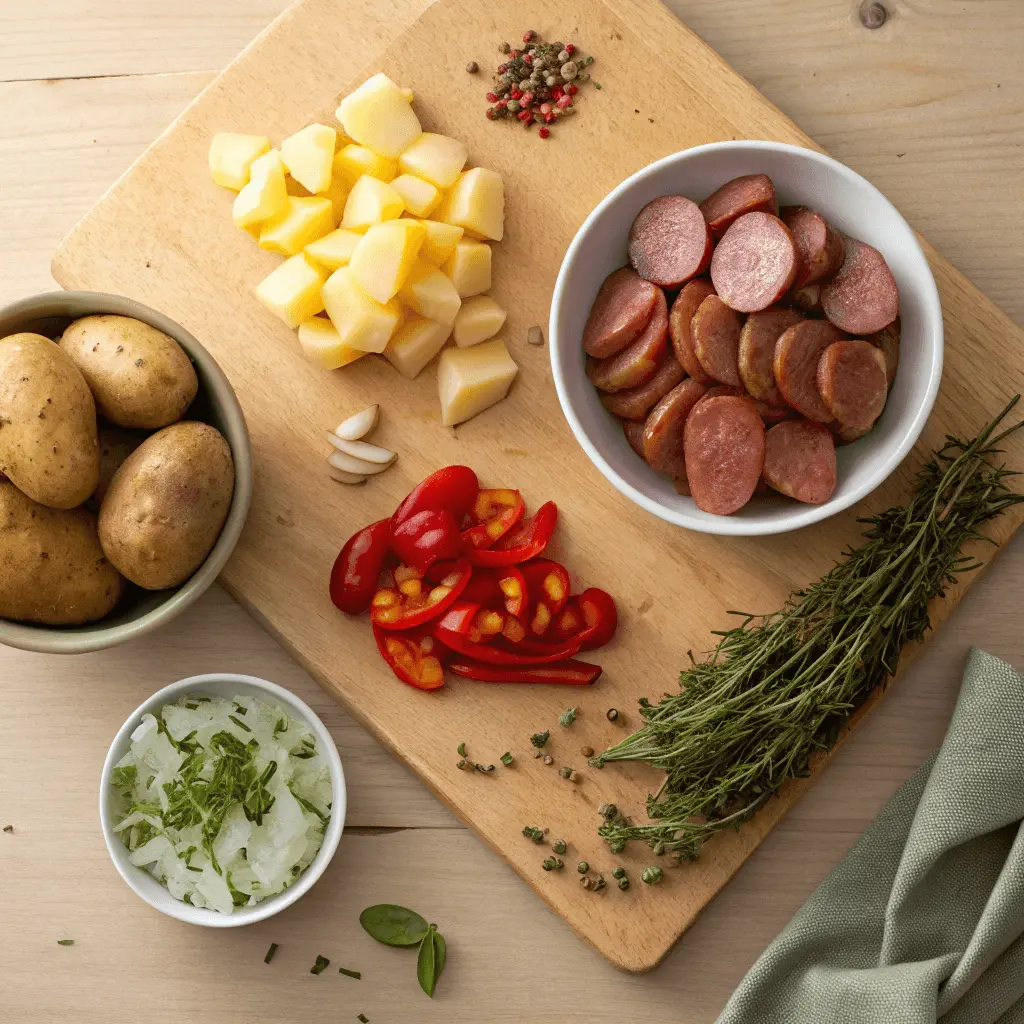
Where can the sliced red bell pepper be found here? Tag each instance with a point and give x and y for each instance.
(547, 586)
(459, 617)
(407, 606)
(495, 511)
(359, 563)
(497, 587)
(503, 653)
(600, 616)
(524, 542)
(415, 657)
(453, 488)
(427, 537)
(568, 622)
(569, 672)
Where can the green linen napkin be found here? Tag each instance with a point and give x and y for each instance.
(923, 920)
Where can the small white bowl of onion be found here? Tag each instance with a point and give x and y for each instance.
(222, 799)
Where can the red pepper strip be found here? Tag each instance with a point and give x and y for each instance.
(547, 584)
(601, 617)
(495, 511)
(427, 537)
(513, 588)
(459, 617)
(355, 572)
(453, 488)
(526, 541)
(568, 622)
(393, 609)
(414, 658)
(499, 654)
(569, 672)
(496, 588)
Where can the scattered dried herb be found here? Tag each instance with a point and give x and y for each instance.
(270, 953)
(321, 965)
(506, 758)
(566, 718)
(539, 739)
(65, 942)
(534, 833)
(8, 828)
(350, 974)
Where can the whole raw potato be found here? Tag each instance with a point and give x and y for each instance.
(140, 376)
(52, 569)
(116, 444)
(165, 507)
(47, 422)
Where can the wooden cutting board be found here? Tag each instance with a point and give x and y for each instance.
(163, 234)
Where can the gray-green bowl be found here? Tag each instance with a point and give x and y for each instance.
(140, 611)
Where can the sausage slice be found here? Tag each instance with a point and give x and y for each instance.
(680, 324)
(819, 248)
(796, 366)
(806, 298)
(887, 341)
(636, 363)
(768, 413)
(851, 382)
(862, 298)
(620, 312)
(636, 403)
(724, 446)
(755, 262)
(757, 352)
(635, 436)
(800, 461)
(716, 338)
(669, 241)
(846, 435)
(664, 429)
(742, 195)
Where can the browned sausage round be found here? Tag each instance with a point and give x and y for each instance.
(757, 352)
(851, 382)
(669, 241)
(716, 337)
(620, 312)
(796, 366)
(636, 403)
(755, 262)
(800, 461)
(846, 435)
(887, 341)
(862, 298)
(635, 436)
(818, 247)
(636, 363)
(724, 446)
(741, 195)
(682, 485)
(768, 413)
(807, 299)
(680, 326)
(664, 429)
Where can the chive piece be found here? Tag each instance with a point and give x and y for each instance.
(65, 942)
(322, 963)
(8, 828)
(363, 1019)
(239, 723)
(461, 750)
(506, 758)
(270, 953)
(240, 708)
(350, 974)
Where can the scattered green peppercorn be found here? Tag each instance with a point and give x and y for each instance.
(565, 772)
(611, 714)
(506, 758)
(599, 883)
(559, 846)
(583, 867)
(623, 884)
(652, 875)
(619, 873)
(566, 718)
(539, 739)
(534, 833)
(587, 882)
(553, 864)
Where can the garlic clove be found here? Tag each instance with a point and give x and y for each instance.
(346, 478)
(362, 450)
(358, 425)
(342, 460)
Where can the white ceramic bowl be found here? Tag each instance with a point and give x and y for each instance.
(853, 205)
(222, 684)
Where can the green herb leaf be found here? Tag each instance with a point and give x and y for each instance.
(539, 739)
(440, 954)
(239, 723)
(461, 750)
(506, 758)
(65, 942)
(393, 925)
(430, 960)
(566, 718)
(349, 974)
(270, 953)
(321, 965)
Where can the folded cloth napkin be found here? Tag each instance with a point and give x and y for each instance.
(923, 920)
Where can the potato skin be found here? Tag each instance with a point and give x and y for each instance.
(140, 376)
(52, 569)
(116, 444)
(166, 505)
(48, 442)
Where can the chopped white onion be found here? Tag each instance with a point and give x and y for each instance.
(359, 425)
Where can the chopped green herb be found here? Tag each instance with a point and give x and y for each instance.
(239, 723)
(349, 974)
(8, 828)
(270, 953)
(552, 864)
(240, 708)
(539, 739)
(192, 705)
(506, 758)
(597, 85)
(534, 833)
(363, 1019)
(321, 965)
(461, 750)
(566, 718)
(65, 942)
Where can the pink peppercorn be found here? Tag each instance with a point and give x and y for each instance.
(501, 104)
(550, 118)
(492, 97)
(516, 94)
(570, 49)
(572, 90)
(545, 108)
(564, 101)
(527, 99)
(557, 92)
(544, 132)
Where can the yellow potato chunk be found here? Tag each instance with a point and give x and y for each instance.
(361, 322)
(370, 202)
(336, 192)
(384, 256)
(379, 115)
(469, 268)
(436, 158)
(301, 221)
(415, 343)
(308, 156)
(231, 156)
(335, 249)
(419, 196)
(293, 290)
(470, 380)
(440, 241)
(478, 204)
(428, 292)
(478, 319)
(321, 344)
(265, 194)
(353, 161)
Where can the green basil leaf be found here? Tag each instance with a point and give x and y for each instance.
(440, 954)
(393, 925)
(426, 963)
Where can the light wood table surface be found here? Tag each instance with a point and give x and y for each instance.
(930, 107)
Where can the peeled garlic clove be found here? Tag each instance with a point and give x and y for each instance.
(362, 450)
(346, 478)
(359, 425)
(340, 460)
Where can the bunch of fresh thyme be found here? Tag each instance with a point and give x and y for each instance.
(779, 687)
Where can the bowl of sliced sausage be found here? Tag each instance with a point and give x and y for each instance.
(746, 337)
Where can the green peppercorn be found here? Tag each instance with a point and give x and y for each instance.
(652, 875)
(619, 873)
(512, 108)
(623, 884)
(553, 864)
(583, 867)
(534, 833)
(559, 846)
(599, 883)
(565, 772)
(611, 714)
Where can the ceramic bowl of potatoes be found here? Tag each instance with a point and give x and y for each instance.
(125, 471)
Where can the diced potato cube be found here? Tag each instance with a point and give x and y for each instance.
(301, 221)
(443, 208)
(353, 161)
(478, 319)
(293, 290)
(265, 194)
(440, 241)
(334, 250)
(419, 196)
(231, 156)
(385, 255)
(436, 158)
(321, 344)
(470, 380)
(371, 202)
(415, 343)
(336, 192)
(308, 156)
(361, 322)
(469, 268)
(379, 115)
(478, 204)
(430, 293)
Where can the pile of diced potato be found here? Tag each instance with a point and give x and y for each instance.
(384, 230)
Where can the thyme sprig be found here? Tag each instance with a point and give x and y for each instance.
(778, 688)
